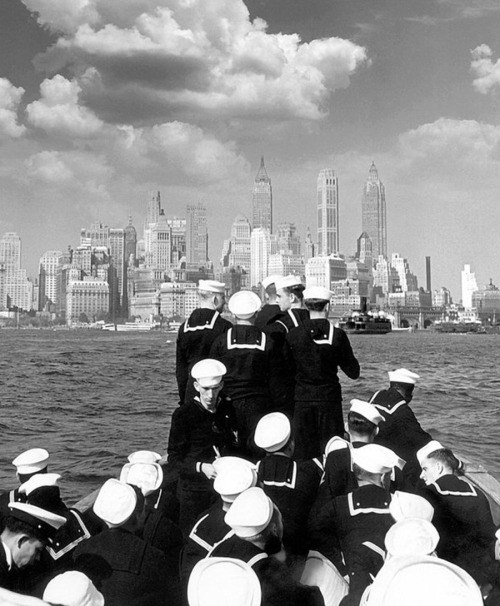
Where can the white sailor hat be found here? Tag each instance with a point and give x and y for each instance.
(426, 450)
(144, 456)
(208, 372)
(244, 304)
(250, 513)
(234, 475)
(273, 431)
(403, 375)
(115, 502)
(72, 588)
(223, 582)
(270, 280)
(212, 286)
(31, 461)
(288, 281)
(417, 580)
(375, 458)
(408, 505)
(366, 410)
(44, 521)
(39, 480)
(146, 476)
(317, 292)
(411, 536)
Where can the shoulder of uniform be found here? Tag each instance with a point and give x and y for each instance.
(336, 443)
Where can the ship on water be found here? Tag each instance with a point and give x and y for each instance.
(365, 322)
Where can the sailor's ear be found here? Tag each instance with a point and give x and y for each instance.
(346, 427)
(197, 386)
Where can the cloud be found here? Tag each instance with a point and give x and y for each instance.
(487, 73)
(61, 15)
(48, 167)
(10, 98)
(194, 61)
(58, 111)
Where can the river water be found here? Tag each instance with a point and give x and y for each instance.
(92, 397)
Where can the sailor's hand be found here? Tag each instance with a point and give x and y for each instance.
(209, 470)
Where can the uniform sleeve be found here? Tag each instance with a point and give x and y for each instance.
(347, 360)
(179, 458)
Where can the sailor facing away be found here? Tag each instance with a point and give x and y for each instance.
(270, 310)
(318, 350)
(197, 333)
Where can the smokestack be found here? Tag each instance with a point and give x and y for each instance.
(428, 273)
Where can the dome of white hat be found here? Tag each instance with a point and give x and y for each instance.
(144, 456)
(288, 281)
(39, 480)
(272, 431)
(115, 502)
(72, 588)
(146, 476)
(212, 286)
(411, 536)
(234, 475)
(375, 458)
(403, 375)
(408, 505)
(250, 513)
(429, 448)
(318, 292)
(208, 371)
(244, 304)
(366, 410)
(223, 582)
(31, 461)
(270, 280)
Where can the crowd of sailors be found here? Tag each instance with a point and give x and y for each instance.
(266, 495)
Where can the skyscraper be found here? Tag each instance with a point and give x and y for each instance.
(262, 199)
(328, 213)
(10, 252)
(373, 210)
(260, 247)
(50, 268)
(469, 286)
(196, 234)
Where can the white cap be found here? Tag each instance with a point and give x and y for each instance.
(317, 292)
(270, 280)
(250, 513)
(212, 286)
(288, 282)
(366, 410)
(115, 502)
(39, 518)
(411, 536)
(146, 476)
(223, 582)
(72, 588)
(244, 304)
(144, 456)
(272, 431)
(375, 458)
(403, 375)
(208, 372)
(418, 580)
(39, 480)
(234, 475)
(426, 450)
(407, 505)
(31, 461)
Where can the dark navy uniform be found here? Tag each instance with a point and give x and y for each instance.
(292, 487)
(268, 314)
(8, 574)
(195, 434)
(194, 340)
(318, 350)
(289, 319)
(462, 516)
(7, 497)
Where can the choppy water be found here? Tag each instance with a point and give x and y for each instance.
(93, 397)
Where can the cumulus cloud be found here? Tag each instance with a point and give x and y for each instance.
(58, 111)
(49, 167)
(487, 73)
(10, 98)
(61, 15)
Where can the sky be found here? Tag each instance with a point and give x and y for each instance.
(103, 101)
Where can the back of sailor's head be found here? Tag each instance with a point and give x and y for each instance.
(234, 476)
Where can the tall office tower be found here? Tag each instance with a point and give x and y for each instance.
(308, 246)
(324, 270)
(238, 251)
(288, 240)
(364, 250)
(178, 227)
(469, 286)
(374, 215)
(196, 234)
(10, 252)
(407, 280)
(152, 215)
(385, 276)
(161, 248)
(260, 249)
(3, 291)
(328, 213)
(50, 268)
(262, 200)
(116, 247)
(130, 241)
(18, 289)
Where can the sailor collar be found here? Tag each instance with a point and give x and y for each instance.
(207, 320)
(389, 407)
(451, 485)
(235, 341)
(362, 502)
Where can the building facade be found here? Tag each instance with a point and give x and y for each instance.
(328, 213)
(262, 200)
(86, 298)
(196, 235)
(374, 213)
(50, 268)
(469, 286)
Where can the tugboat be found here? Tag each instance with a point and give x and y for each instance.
(365, 322)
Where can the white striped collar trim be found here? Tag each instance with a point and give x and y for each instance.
(390, 411)
(257, 558)
(456, 493)
(208, 326)
(290, 484)
(293, 318)
(375, 548)
(282, 324)
(260, 347)
(329, 340)
(55, 555)
(354, 512)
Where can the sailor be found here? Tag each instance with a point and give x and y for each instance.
(258, 532)
(411, 536)
(201, 430)
(318, 350)
(400, 431)
(198, 332)
(234, 475)
(126, 569)
(248, 354)
(27, 530)
(358, 520)
(462, 515)
(291, 485)
(290, 298)
(27, 464)
(73, 588)
(270, 310)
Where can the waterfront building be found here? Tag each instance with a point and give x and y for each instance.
(308, 246)
(160, 256)
(441, 297)
(407, 280)
(235, 279)
(116, 245)
(153, 209)
(130, 242)
(86, 299)
(196, 235)
(283, 264)
(173, 299)
(50, 268)
(237, 250)
(325, 270)
(145, 306)
(3, 290)
(10, 252)
(359, 278)
(260, 249)
(328, 213)
(374, 213)
(385, 277)
(364, 249)
(487, 302)
(287, 239)
(262, 200)
(18, 291)
(469, 286)
(178, 236)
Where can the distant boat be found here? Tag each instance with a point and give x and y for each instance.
(460, 326)
(132, 327)
(365, 322)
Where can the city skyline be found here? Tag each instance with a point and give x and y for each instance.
(98, 108)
